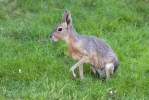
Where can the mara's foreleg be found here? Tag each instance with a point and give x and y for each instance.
(81, 71)
(79, 63)
(93, 69)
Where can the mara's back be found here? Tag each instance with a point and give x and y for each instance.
(100, 52)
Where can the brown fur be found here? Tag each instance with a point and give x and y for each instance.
(86, 49)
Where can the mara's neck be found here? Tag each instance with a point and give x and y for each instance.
(73, 36)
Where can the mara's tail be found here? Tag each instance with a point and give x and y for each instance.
(116, 64)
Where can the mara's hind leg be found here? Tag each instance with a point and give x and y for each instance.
(109, 68)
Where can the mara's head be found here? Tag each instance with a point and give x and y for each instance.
(61, 32)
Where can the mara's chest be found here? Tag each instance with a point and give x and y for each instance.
(76, 51)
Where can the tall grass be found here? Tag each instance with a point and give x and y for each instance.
(32, 67)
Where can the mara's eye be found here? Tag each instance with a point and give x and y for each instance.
(60, 29)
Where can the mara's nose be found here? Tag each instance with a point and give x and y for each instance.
(50, 36)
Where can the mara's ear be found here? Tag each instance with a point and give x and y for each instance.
(64, 17)
(67, 19)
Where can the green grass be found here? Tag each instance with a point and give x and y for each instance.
(32, 67)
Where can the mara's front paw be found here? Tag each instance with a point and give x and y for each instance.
(73, 76)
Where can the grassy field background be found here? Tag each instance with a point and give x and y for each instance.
(34, 68)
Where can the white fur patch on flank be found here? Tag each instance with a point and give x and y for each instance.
(109, 66)
(109, 69)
